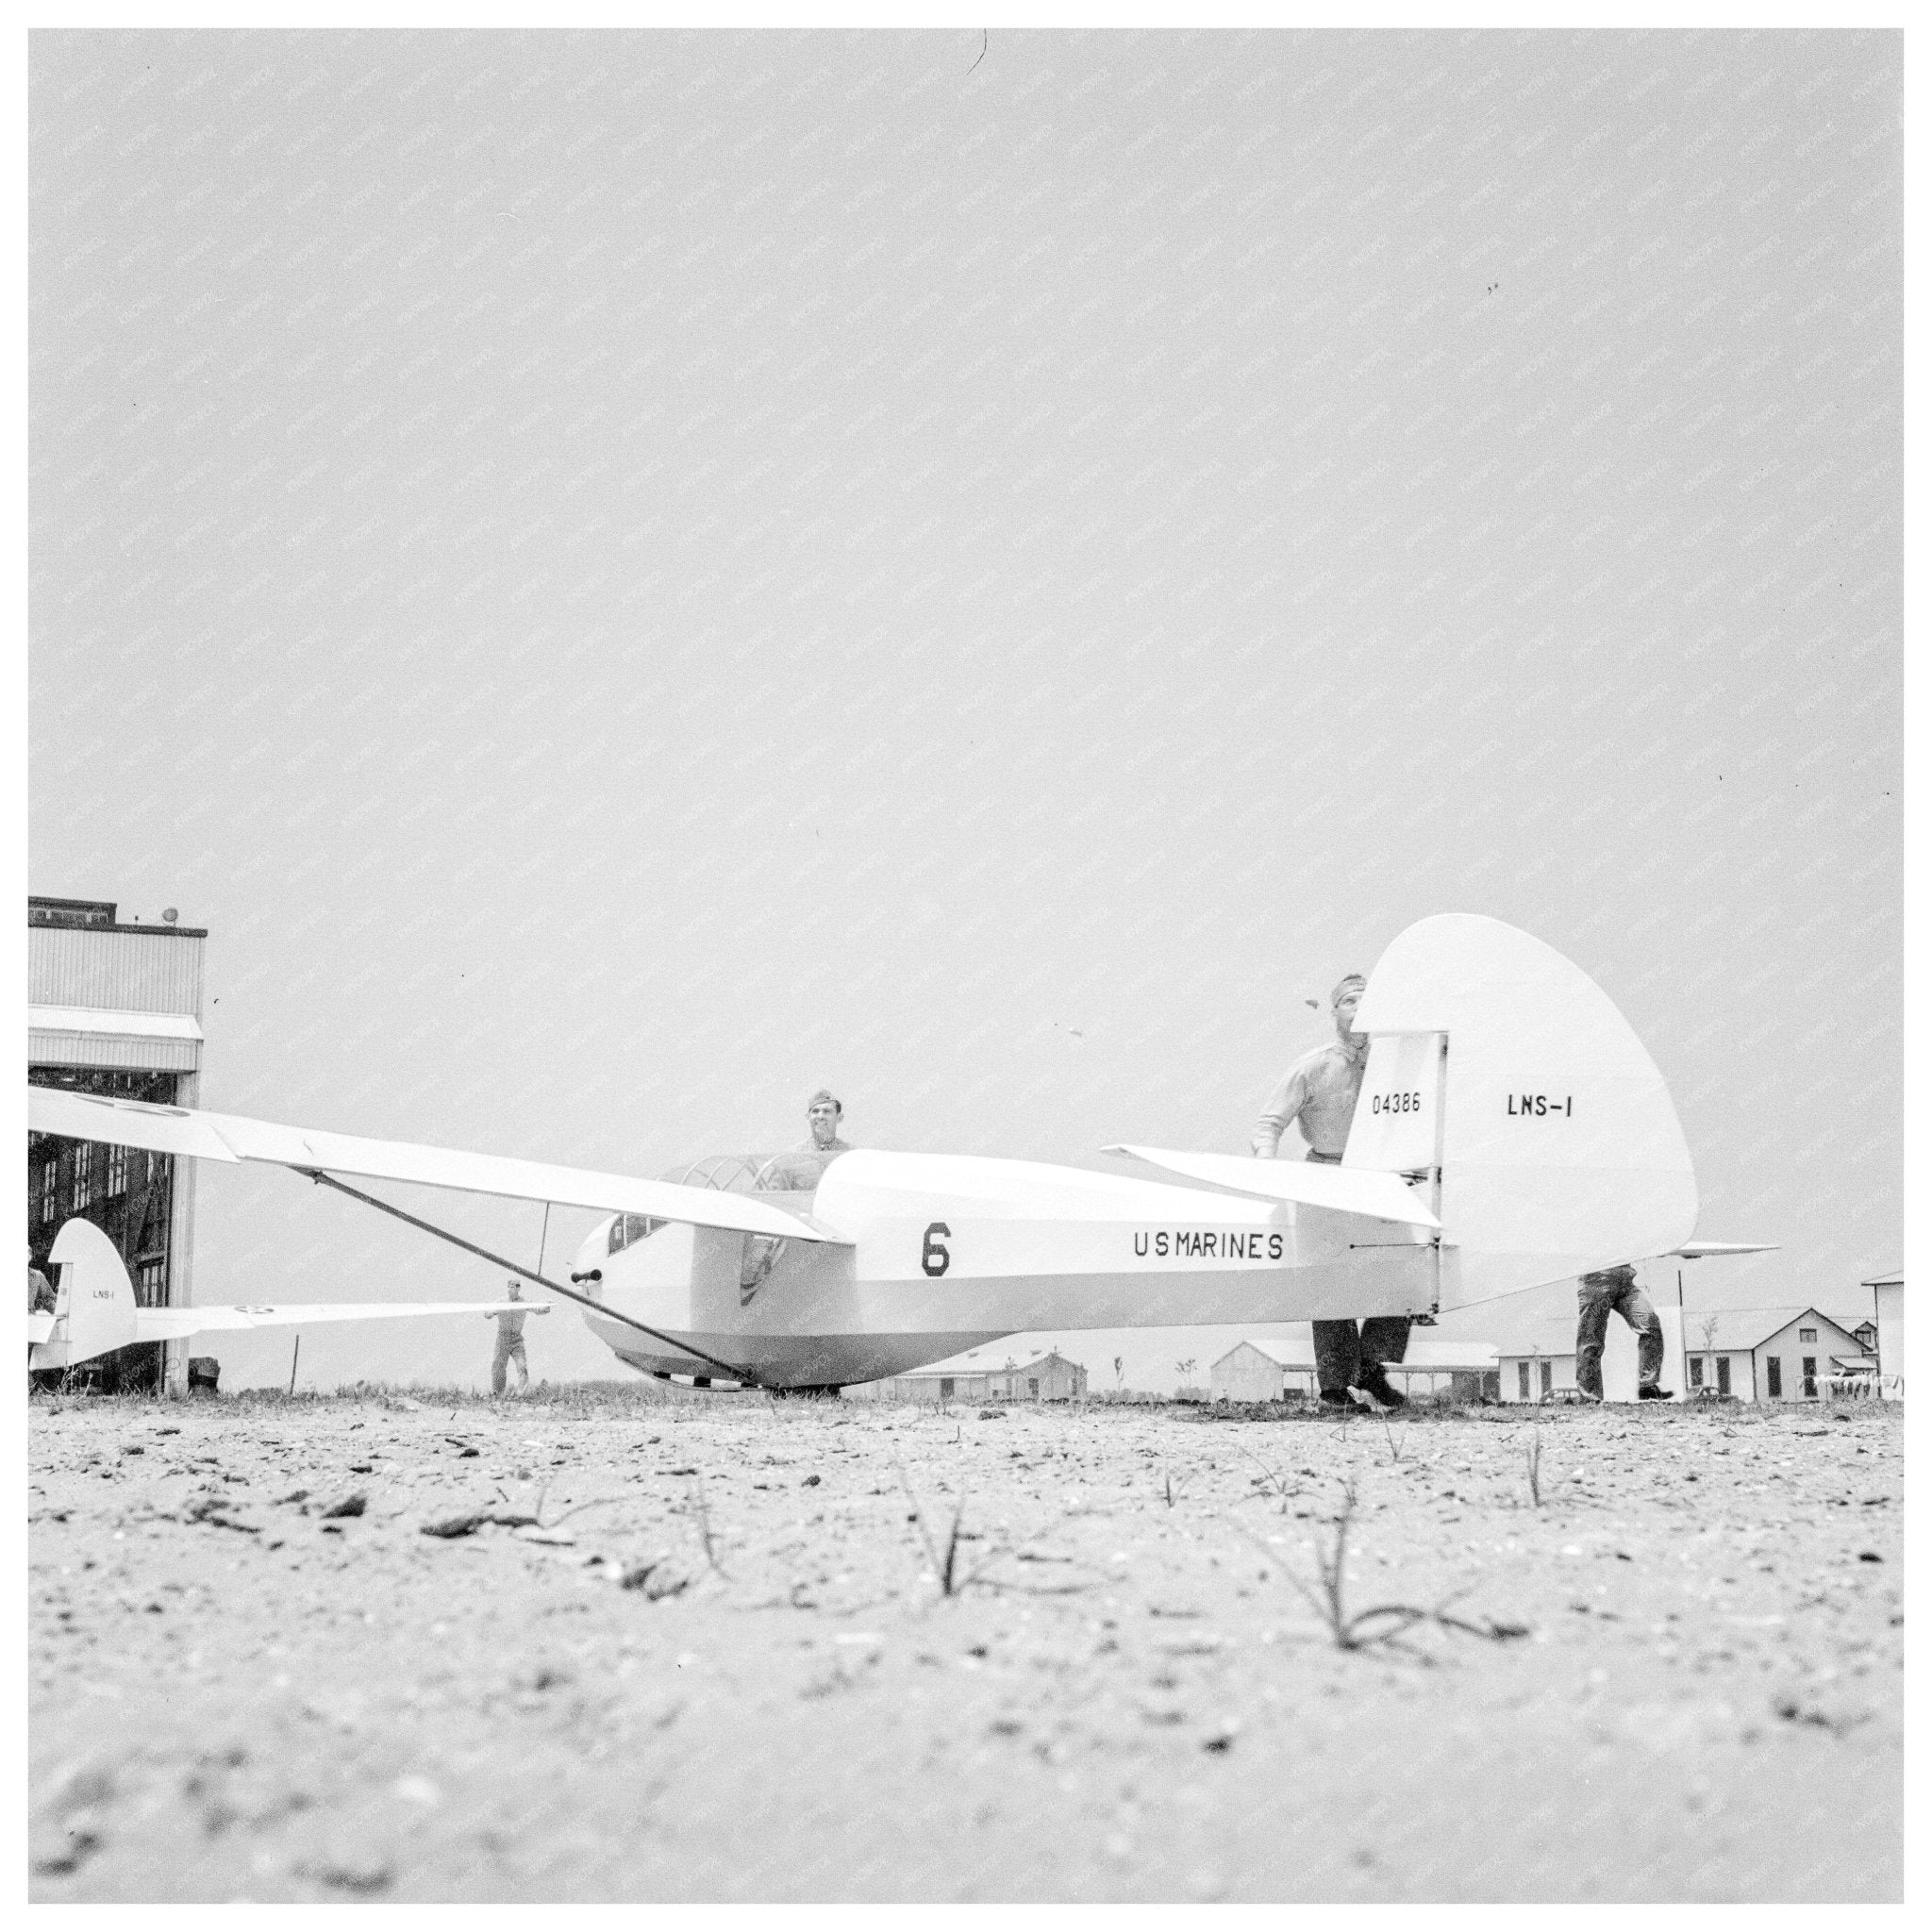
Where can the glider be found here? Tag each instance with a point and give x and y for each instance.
(1510, 1131)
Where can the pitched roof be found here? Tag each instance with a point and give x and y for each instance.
(987, 1361)
(1283, 1350)
(1737, 1330)
(1425, 1351)
(1896, 1279)
(1742, 1328)
(1547, 1338)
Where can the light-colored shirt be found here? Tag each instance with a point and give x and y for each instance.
(1318, 1094)
(509, 1326)
(40, 1294)
(801, 1168)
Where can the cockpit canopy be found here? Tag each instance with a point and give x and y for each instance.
(730, 1173)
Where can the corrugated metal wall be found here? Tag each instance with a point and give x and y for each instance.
(47, 1048)
(127, 972)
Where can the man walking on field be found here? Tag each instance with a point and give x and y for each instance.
(1596, 1295)
(1318, 1094)
(510, 1343)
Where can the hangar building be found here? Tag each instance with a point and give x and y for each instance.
(116, 1009)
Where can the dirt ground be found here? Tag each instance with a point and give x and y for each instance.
(724, 1665)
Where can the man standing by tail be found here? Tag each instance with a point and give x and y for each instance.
(40, 1298)
(1318, 1095)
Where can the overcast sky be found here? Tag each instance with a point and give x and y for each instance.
(626, 577)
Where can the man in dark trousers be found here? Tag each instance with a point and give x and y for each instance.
(1318, 1095)
(1597, 1294)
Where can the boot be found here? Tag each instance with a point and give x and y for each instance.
(1374, 1381)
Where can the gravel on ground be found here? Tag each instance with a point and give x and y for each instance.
(611, 1642)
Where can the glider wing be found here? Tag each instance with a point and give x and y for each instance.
(176, 1324)
(233, 1137)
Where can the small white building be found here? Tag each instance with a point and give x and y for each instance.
(1756, 1355)
(1766, 1354)
(982, 1375)
(1540, 1365)
(1889, 1308)
(1275, 1369)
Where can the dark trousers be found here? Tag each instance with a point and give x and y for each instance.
(1342, 1348)
(1594, 1305)
(1343, 1351)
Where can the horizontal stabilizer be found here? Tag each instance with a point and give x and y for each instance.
(233, 1137)
(1348, 1190)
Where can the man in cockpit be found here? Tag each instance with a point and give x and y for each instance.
(798, 1170)
(801, 1168)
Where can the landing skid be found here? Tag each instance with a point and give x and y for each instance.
(723, 1385)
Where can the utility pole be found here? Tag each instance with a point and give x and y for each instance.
(1683, 1345)
(1436, 1167)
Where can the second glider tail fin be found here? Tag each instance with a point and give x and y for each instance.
(95, 1311)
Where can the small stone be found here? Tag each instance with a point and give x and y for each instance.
(360, 1875)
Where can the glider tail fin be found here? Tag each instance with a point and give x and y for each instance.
(1496, 1060)
(95, 1296)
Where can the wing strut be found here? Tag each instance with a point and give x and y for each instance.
(731, 1368)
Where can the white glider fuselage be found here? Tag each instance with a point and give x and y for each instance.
(937, 1253)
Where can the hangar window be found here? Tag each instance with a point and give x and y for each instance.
(50, 1188)
(1697, 1371)
(1723, 1374)
(1523, 1381)
(1773, 1377)
(1545, 1368)
(83, 1175)
(117, 1171)
(945, 1387)
(1807, 1335)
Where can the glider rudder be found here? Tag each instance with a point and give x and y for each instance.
(1559, 1148)
(95, 1295)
